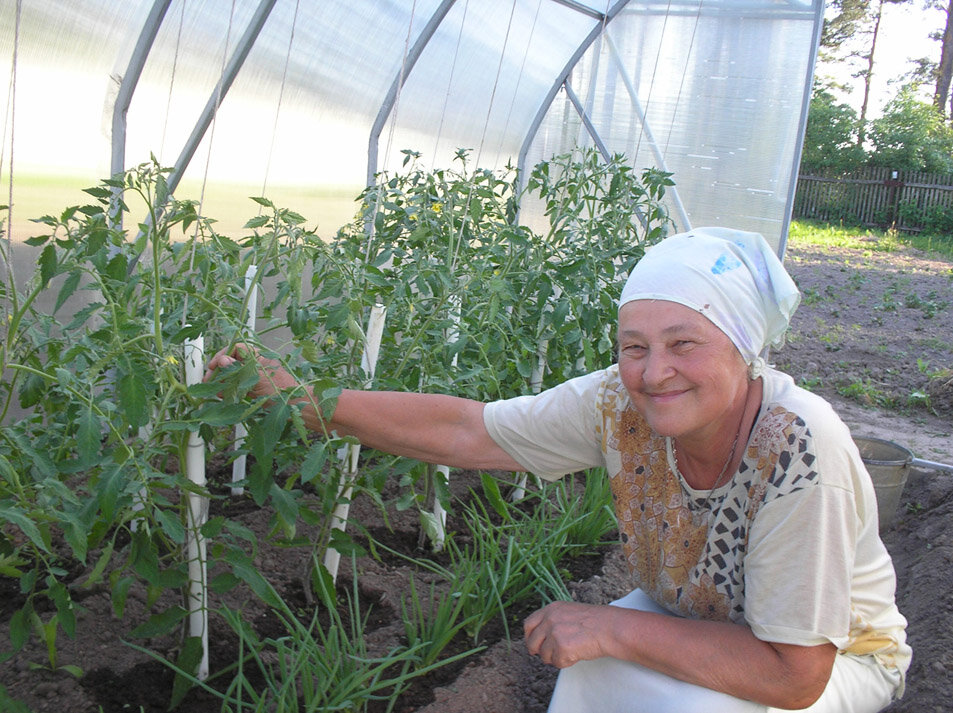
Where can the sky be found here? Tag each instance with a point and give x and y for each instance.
(904, 35)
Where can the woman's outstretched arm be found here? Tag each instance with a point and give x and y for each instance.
(435, 428)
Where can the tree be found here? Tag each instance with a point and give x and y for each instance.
(845, 18)
(912, 135)
(944, 70)
(850, 39)
(830, 138)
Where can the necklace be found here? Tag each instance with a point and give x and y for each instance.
(724, 468)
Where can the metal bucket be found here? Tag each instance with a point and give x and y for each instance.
(888, 464)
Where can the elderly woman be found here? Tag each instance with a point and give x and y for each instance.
(748, 521)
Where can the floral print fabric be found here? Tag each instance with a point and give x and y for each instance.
(686, 548)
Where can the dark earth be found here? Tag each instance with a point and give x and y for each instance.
(874, 334)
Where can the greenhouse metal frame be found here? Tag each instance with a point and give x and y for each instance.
(714, 91)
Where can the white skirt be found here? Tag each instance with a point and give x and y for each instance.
(607, 685)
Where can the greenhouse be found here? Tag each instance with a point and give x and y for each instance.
(327, 94)
(419, 196)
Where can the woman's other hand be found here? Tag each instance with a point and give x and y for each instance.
(564, 633)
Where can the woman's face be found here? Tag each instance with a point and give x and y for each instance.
(683, 374)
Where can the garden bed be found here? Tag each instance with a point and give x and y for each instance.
(872, 335)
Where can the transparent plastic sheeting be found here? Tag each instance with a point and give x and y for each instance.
(713, 91)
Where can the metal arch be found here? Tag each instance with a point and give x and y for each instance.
(561, 80)
(587, 122)
(130, 79)
(802, 126)
(134, 70)
(221, 89)
(235, 63)
(648, 133)
(373, 142)
(579, 7)
(127, 87)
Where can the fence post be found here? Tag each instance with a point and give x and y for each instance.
(893, 184)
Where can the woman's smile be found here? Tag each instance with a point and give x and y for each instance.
(682, 373)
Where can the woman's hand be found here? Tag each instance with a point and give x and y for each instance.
(564, 633)
(272, 377)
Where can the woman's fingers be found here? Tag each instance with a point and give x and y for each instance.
(227, 357)
(563, 633)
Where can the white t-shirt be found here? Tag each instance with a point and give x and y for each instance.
(788, 546)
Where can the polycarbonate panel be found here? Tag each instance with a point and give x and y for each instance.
(713, 92)
(65, 54)
(482, 78)
(717, 88)
(302, 106)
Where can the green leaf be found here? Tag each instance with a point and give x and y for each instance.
(258, 222)
(47, 631)
(72, 670)
(120, 592)
(286, 508)
(204, 390)
(32, 389)
(47, 264)
(161, 623)
(245, 570)
(431, 526)
(491, 489)
(171, 525)
(110, 485)
(98, 192)
(20, 519)
(217, 414)
(222, 583)
(314, 461)
(143, 556)
(322, 583)
(20, 626)
(187, 664)
(65, 615)
(96, 574)
(88, 436)
(66, 291)
(76, 533)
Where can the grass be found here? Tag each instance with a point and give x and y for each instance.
(901, 295)
(806, 232)
(327, 207)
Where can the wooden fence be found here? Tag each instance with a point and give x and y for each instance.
(879, 197)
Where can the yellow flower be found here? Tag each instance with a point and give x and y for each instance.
(172, 360)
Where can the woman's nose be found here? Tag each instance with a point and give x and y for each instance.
(656, 367)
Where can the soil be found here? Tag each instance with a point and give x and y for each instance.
(874, 335)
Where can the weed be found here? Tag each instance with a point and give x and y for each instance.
(811, 383)
(856, 280)
(888, 301)
(865, 392)
(810, 296)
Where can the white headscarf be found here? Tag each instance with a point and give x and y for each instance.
(732, 277)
